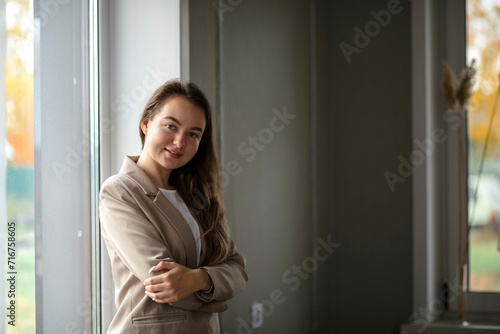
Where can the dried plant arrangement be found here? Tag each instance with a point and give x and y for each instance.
(457, 94)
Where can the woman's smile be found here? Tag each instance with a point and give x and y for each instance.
(172, 138)
(173, 154)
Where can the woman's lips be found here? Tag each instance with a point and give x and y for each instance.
(173, 154)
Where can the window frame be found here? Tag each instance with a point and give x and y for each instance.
(478, 302)
(94, 163)
(65, 206)
(435, 200)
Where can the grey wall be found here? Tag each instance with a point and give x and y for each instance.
(321, 175)
(266, 67)
(368, 102)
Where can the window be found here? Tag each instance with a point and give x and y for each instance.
(48, 184)
(439, 33)
(17, 168)
(483, 44)
(474, 18)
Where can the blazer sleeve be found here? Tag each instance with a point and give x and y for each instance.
(228, 277)
(128, 232)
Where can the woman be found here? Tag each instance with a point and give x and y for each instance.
(173, 262)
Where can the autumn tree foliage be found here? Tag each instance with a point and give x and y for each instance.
(19, 84)
(483, 41)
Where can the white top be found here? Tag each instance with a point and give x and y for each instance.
(179, 204)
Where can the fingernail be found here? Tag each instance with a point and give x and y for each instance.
(151, 269)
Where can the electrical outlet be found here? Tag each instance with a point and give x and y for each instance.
(257, 315)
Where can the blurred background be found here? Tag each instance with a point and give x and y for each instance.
(315, 115)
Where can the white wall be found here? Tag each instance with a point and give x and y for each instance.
(144, 52)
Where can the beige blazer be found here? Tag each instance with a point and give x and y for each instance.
(140, 227)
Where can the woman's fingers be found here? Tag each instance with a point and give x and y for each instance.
(167, 295)
(155, 280)
(159, 288)
(174, 285)
(163, 265)
(163, 296)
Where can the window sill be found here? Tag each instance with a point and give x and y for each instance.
(449, 327)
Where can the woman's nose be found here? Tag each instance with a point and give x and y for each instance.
(179, 141)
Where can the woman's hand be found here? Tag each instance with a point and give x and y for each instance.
(175, 284)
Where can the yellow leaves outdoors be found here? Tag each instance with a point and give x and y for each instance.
(19, 86)
(483, 43)
(19, 113)
(479, 114)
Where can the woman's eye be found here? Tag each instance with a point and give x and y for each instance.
(170, 126)
(193, 135)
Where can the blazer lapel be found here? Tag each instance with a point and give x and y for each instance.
(171, 214)
(177, 220)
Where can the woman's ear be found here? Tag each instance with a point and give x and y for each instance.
(144, 126)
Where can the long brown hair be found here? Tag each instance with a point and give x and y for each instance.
(197, 182)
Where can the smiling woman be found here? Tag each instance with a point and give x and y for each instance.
(171, 138)
(173, 262)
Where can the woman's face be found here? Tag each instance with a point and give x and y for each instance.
(172, 137)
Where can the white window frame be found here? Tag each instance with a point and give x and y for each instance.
(65, 168)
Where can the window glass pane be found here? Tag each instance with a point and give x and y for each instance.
(63, 260)
(483, 45)
(18, 157)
